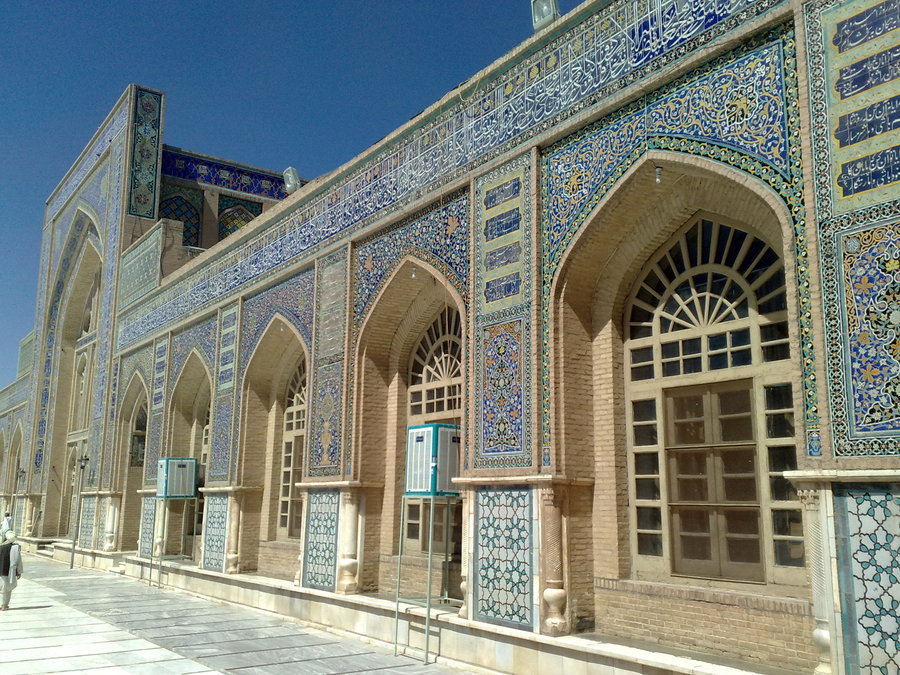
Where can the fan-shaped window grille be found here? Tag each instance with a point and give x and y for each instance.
(711, 410)
(290, 505)
(179, 208)
(233, 219)
(435, 371)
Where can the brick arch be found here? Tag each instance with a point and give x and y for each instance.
(595, 277)
(269, 370)
(128, 478)
(403, 310)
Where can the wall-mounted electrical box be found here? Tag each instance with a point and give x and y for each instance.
(432, 459)
(176, 478)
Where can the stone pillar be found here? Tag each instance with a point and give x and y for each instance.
(348, 561)
(108, 538)
(159, 527)
(298, 577)
(232, 541)
(468, 532)
(28, 523)
(819, 565)
(554, 621)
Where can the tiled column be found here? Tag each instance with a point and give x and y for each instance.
(819, 568)
(348, 562)
(554, 596)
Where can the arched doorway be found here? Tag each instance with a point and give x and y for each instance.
(130, 462)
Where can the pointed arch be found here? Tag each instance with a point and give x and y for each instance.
(414, 297)
(642, 224)
(128, 462)
(272, 446)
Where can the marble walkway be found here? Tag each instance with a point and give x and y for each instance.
(71, 621)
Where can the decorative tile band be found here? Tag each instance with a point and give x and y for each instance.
(186, 166)
(228, 332)
(867, 519)
(325, 442)
(504, 574)
(145, 153)
(320, 551)
(148, 522)
(86, 525)
(619, 44)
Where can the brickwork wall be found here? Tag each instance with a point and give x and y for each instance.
(371, 557)
(579, 553)
(758, 630)
(278, 559)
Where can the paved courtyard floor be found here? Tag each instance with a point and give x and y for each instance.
(65, 621)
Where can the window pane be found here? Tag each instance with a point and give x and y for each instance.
(782, 489)
(646, 463)
(782, 458)
(644, 411)
(787, 522)
(693, 365)
(646, 488)
(645, 434)
(648, 518)
(412, 512)
(741, 358)
(688, 407)
(779, 397)
(743, 550)
(671, 368)
(789, 553)
(780, 425)
(689, 433)
(736, 429)
(670, 350)
(642, 373)
(649, 544)
(717, 342)
(733, 402)
(696, 548)
(739, 338)
(741, 522)
(777, 352)
(642, 355)
(691, 346)
(718, 361)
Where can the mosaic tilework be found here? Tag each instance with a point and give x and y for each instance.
(325, 447)
(109, 438)
(867, 523)
(15, 394)
(157, 401)
(220, 452)
(86, 528)
(853, 52)
(440, 237)
(161, 357)
(215, 532)
(89, 159)
(228, 332)
(145, 153)
(102, 508)
(179, 202)
(616, 46)
(140, 362)
(770, 62)
(503, 405)
(331, 304)
(320, 552)
(90, 199)
(177, 163)
(148, 520)
(504, 574)
(200, 338)
(141, 271)
(234, 213)
(153, 448)
(864, 372)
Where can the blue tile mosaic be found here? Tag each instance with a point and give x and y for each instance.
(220, 455)
(867, 25)
(200, 338)
(86, 526)
(178, 202)
(148, 520)
(613, 47)
(234, 213)
(187, 166)
(867, 523)
(503, 561)
(320, 551)
(145, 151)
(325, 441)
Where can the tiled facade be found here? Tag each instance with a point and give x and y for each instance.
(529, 203)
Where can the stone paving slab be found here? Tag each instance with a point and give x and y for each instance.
(84, 621)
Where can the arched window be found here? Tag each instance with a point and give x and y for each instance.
(138, 438)
(435, 395)
(711, 410)
(233, 219)
(435, 371)
(289, 504)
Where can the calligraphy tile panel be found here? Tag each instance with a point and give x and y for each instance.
(320, 551)
(867, 525)
(504, 569)
(616, 45)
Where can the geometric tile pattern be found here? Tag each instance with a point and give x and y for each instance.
(867, 524)
(86, 528)
(186, 166)
(234, 213)
(320, 554)
(228, 331)
(215, 529)
(504, 573)
(148, 522)
(740, 109)
(145, 153)
(614, 46)
(200, 338)
(178, 202)
(220, 454)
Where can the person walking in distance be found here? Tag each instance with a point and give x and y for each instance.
(10, 567)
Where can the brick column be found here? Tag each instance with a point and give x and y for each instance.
(554, 621)
(348, 561)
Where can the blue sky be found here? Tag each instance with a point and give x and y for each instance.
(307, 83)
